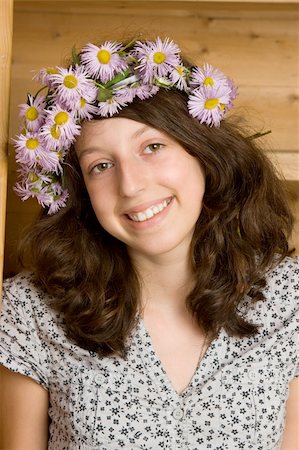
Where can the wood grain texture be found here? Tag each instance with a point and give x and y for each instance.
(140, 2)
(6, 17)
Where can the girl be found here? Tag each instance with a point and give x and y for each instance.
(158, 309)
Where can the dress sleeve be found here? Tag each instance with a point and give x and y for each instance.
(21, 350)
(294, 288)
(285, 291)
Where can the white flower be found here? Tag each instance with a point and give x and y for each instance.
(33, 112)
(72, 84)
(208, 104)
(156, 59)
(208, 76)
(60, 129)
(103, 62)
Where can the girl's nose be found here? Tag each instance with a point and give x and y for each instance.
(132, 177)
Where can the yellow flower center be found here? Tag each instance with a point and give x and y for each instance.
(209, 82)
(61, 118)
(159, 57)
(70, 81)
(31, 113)
(104, 56)
(55, 132)
(180, 70)
(82, 102)
(31, 143)
(33, 177)
(211, 103)
(51, 70)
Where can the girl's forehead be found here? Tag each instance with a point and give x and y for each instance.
(97, 133)
(113, 128)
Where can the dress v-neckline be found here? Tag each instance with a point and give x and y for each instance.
(156, 370)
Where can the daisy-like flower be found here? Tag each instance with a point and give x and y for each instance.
(208, 104)
(85, 110)
(33, 181)
(33, 112)
(58, 201)
(179, 77)
(44, 75)
(113, 104)
(72, 84)
(30, 152)
(207, 76)
(24, 190)
(233, 93)
(103, 62)
(145, 91)
(125, 94)
(156, 59)
(60, 129)
(47, 198)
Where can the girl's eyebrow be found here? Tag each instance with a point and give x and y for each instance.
(94, 149)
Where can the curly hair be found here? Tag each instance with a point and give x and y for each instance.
(241, 233)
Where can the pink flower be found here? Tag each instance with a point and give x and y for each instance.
(85, 110)
(31, 152)
(103, 62)
(44, 75)
(156, 59)
(60, 128)
(179, 77)
(33, 112)
(72, 84)
(145, 91)
(208, 104)
(113, 104)
(208, 76)
(51, 200)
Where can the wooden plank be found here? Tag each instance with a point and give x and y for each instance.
(253, 51)
(287, 164)
(240, 2)
(6, 17)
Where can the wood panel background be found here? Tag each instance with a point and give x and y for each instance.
(257, 44)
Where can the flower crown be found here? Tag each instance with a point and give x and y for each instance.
(100, 81)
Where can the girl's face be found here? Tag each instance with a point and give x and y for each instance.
(145, 189)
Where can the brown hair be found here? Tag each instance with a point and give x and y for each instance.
(241, 233)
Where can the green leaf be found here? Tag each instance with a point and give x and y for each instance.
(75, 56)
(258, 135)
(119, 77)
(104, 94)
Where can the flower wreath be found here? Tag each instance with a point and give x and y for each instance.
(100, 81)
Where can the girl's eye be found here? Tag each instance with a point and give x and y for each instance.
(153, 148)
(101, 167)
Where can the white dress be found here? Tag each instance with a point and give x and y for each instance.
(235, 400)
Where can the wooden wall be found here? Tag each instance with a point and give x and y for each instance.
(257, 44)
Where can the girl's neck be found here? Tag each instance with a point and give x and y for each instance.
(165, 282)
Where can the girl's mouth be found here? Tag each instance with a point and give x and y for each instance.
(149, 212)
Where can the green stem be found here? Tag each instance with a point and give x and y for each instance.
(258, 135)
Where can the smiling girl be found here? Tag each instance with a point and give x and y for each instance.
(158, 308)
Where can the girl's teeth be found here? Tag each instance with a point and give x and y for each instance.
(149, 213)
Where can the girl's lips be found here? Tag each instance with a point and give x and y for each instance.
(149, 212)
(140, 221)
(144, 206)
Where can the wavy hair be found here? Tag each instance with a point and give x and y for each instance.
(241, 233)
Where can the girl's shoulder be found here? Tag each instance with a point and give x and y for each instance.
(281, 297)
(283, 280)
(21, 295)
